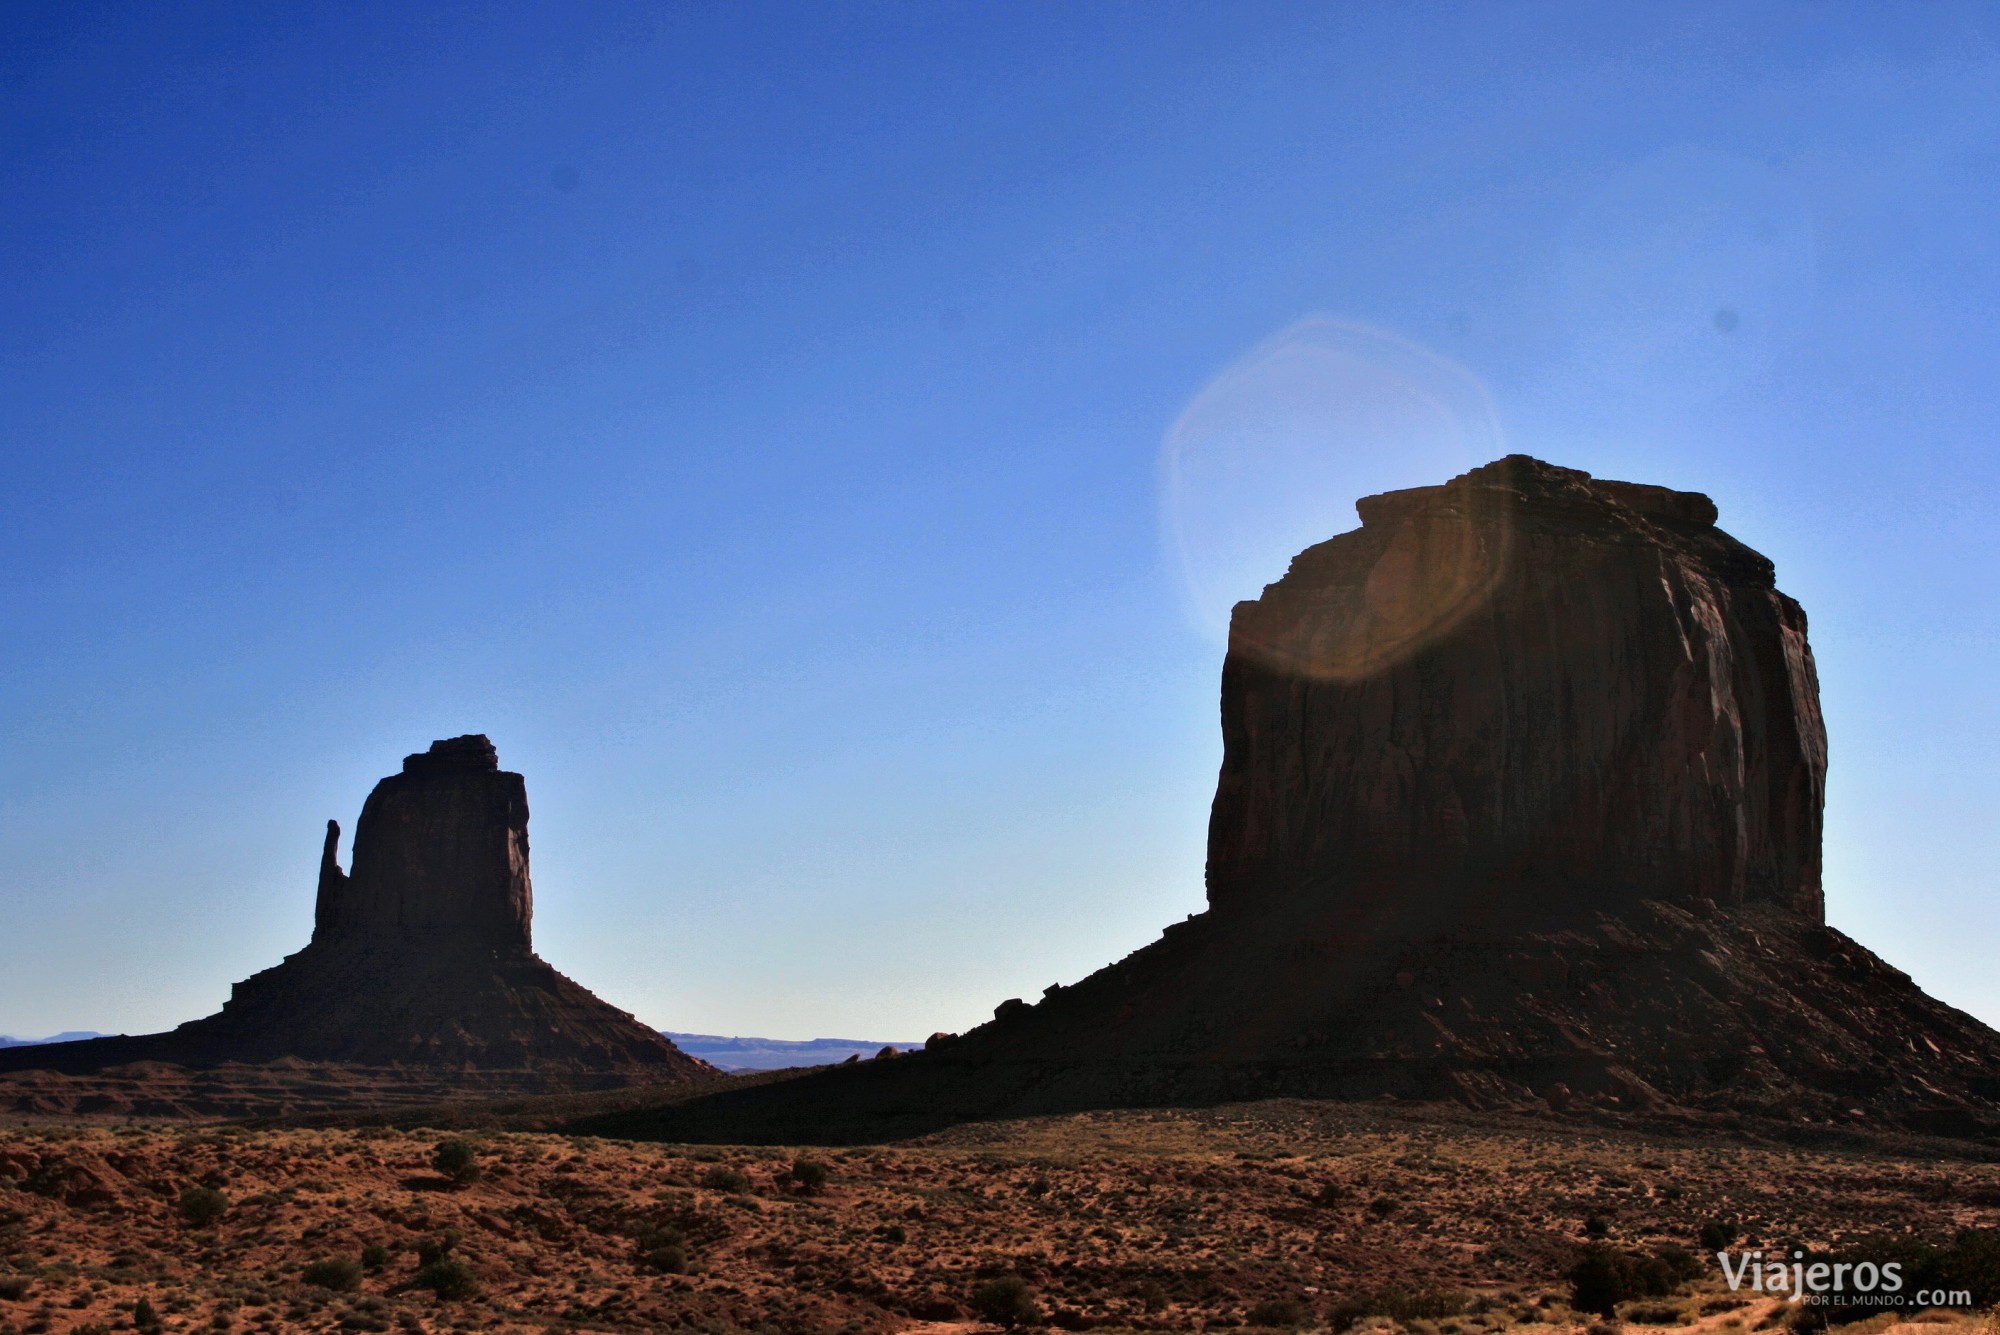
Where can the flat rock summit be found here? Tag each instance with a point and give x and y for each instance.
(421, 959)
(1520, 806)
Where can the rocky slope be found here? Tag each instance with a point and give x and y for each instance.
(1520, 806)
(421, 962)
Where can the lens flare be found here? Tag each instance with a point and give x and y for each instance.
(1271, 456)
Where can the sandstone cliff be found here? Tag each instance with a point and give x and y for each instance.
(441, 851)
(1527, 691)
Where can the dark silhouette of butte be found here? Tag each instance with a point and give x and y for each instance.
(1519, 807)
(420, 959)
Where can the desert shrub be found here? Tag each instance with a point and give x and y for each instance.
(664, 1250)
(1606, 1276)
(145, 1317)
(1970, 1261)
(438, 1246)
(15, 1287)
(1597, 1226)
(374, 1256)
(342, 1274)
(933, 1307)
(1283, 1313)
(1716, 1235)
(1422, 1302)
(723, 1178)
(202, 1206)
(810, 1176)
(1330, 1193)
(448, 1277)
(1384, 1206)
(1152, 1295)
(1681, 1263)
(1657, 1314)
(1597, 1282)
(1346, 1312)
(1007, 1301)
(1803, 1317)
(671, 1259)
(455, 1158)
(895, 1234)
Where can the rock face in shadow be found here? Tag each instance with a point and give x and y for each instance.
(441, 852)
(1519, 807)
(1527, 692)
(421, 958)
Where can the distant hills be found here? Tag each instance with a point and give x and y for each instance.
(771, 1054)
(728, 1053)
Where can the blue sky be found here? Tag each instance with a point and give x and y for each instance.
(753, 418)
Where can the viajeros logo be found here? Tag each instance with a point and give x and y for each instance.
(1834, 1283)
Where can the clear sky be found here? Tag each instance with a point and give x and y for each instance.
(815, 441)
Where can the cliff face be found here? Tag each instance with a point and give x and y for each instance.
(1527, 691)
(421, 958)
(441, 850)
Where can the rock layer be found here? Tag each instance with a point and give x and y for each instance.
(421, 958)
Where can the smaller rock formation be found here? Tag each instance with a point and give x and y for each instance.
(421, 958)
(441, 851)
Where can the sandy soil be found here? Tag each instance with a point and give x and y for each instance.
(1143, 1220)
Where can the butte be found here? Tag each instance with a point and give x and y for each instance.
(421, 968)
(1520, 808)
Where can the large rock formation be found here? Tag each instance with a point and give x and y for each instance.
(1520, 806)
(1527, 692)
(421, 958)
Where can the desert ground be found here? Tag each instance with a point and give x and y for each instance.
(1281, 1213)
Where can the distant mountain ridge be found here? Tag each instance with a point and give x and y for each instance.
(737, 1053)
(729, 1053)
